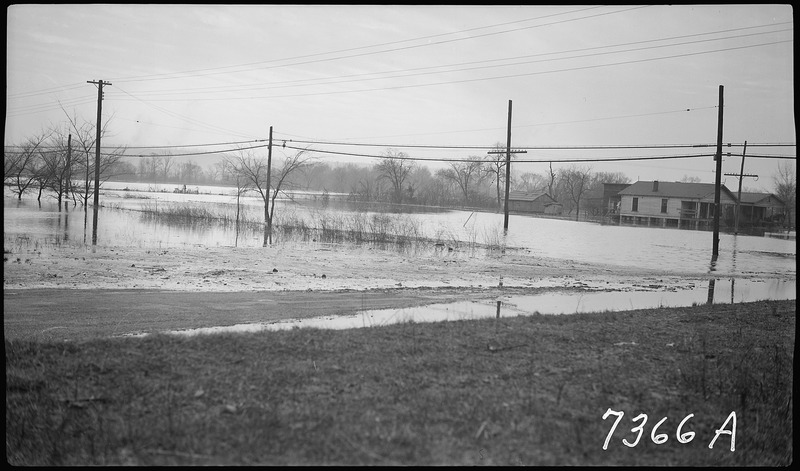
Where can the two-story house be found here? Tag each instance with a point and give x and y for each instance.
(672, 204)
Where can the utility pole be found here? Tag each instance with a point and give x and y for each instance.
(269, 170)
(718, 158)
(508, 166)
(99, 84)
(740, 176)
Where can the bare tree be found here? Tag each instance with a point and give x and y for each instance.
(55, 170)
(84, 136)
(254, 172)
(227, 166)
(690, 179)
(446, 191)
(21, 166)
(576, 181)
(149, 167)
(419, 182)
(496, 168)
(312, 176)
(366, 190)
(166, 164)
(395, 168)
(551, 185)
(465, 174)
(609, 177)
(595, 194)
(189, 172)
(786, 189)
(214, 172)
(530, 181)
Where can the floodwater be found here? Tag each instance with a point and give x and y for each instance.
(748, 268)
(121, 223)
(714, 291)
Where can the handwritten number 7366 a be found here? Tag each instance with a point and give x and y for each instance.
(660, 438)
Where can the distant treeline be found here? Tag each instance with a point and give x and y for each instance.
(475, 182)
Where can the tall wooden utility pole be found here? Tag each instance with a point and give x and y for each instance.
(718, 158)
(99, 84)
(508, 166)
(269, 170)
(740, 176)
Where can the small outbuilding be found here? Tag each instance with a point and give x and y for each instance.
(531, 202)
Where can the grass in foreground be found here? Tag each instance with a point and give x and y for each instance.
(517, 391)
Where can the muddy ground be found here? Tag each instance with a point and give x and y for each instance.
(71, 293)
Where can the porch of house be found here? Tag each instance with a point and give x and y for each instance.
(667, 222)
(692, 215)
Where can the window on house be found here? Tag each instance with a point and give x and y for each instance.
(635, 204)
(664, 205)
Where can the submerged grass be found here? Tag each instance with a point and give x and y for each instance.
(386, 230)
(29, 243)
(524, 390)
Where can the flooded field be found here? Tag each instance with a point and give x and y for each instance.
(748, 268)
(122, 223)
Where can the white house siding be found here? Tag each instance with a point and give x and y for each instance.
(650, 206)
(649, 213)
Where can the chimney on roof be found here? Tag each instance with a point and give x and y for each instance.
(655, 185)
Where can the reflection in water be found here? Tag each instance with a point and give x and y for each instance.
(545, 303)
(85, 223)
(497, 318)
(711, 284)
(65, 229)
(714, 258)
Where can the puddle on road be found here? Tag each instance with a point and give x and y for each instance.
(720, 291)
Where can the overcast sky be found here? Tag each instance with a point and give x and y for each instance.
(396, 76)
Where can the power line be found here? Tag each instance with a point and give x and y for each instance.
(489, 129)
(526, 74)
(240, 87)
(585, 147)
(28, 109)
(447, 147)
(221, 151)
(354, 77)
(193, 145)
(351, 154)
(609, 159)
(427, 44)
(185, 118)
(540, 124)
(45, 91)
(769, 156)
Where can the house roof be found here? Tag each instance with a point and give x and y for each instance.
(615, 187)
(675, 190)
(528, 196)
(749, 197)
